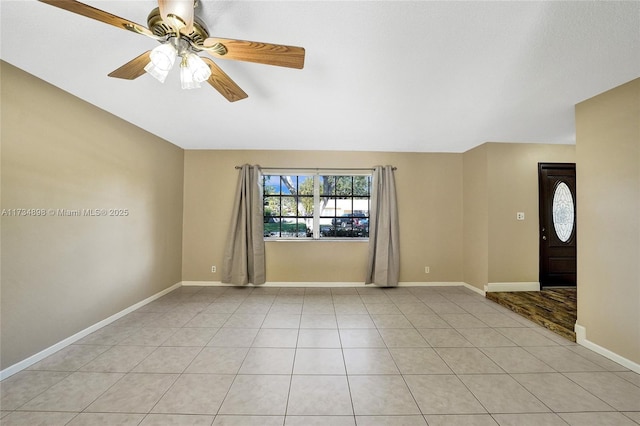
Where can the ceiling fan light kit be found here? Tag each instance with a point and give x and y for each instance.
(181, 34)
(193, 70)
(161, 61)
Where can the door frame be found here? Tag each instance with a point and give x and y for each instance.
(543, 271)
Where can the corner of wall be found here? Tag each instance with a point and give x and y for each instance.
(581, 339)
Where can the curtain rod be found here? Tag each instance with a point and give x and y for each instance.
(317, 169)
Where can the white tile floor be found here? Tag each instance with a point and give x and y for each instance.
(319, 356)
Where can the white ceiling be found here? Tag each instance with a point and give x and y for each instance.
(417, 76)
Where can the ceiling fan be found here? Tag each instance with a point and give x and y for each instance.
(183, 35)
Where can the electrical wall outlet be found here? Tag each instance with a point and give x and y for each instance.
(520, 216)
(426, 269)
(214, 269)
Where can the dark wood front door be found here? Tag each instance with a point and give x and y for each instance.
(557, 194)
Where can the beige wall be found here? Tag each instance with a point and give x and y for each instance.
(61, 275)
(608, 186)
(453, 207)
(429, 190)
(501, 179)
(513, 187)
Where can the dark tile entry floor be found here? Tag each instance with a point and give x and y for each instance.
(553, 308)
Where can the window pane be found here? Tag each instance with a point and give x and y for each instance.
(344, 185)
(327, 185)
(304, 228)
(271, 226)
(305, 206)
(327, 206)
(288, 184)
(344, 206)
(327, 231)
(289, 206)
(272, 206)
(305, 185)
(361, 185)
(361, 206)
(290, 228)
(271, 185)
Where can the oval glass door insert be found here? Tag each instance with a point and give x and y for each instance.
(563, 212)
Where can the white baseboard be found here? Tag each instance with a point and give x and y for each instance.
(327, 284)
(19, 366)
(581, 339)
(431, 284)
(476, 289)
(515, 286)
(204, 284)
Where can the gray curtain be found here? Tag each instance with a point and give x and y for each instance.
(243, 260)
(383, 266)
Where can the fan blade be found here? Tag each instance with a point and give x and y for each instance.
(223, 83)
(132, 69)
(253, 51)
(99, 15)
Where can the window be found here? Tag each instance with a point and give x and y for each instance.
(316, 206)
(563, 212)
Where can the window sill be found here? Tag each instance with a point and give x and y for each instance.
(319, 240)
